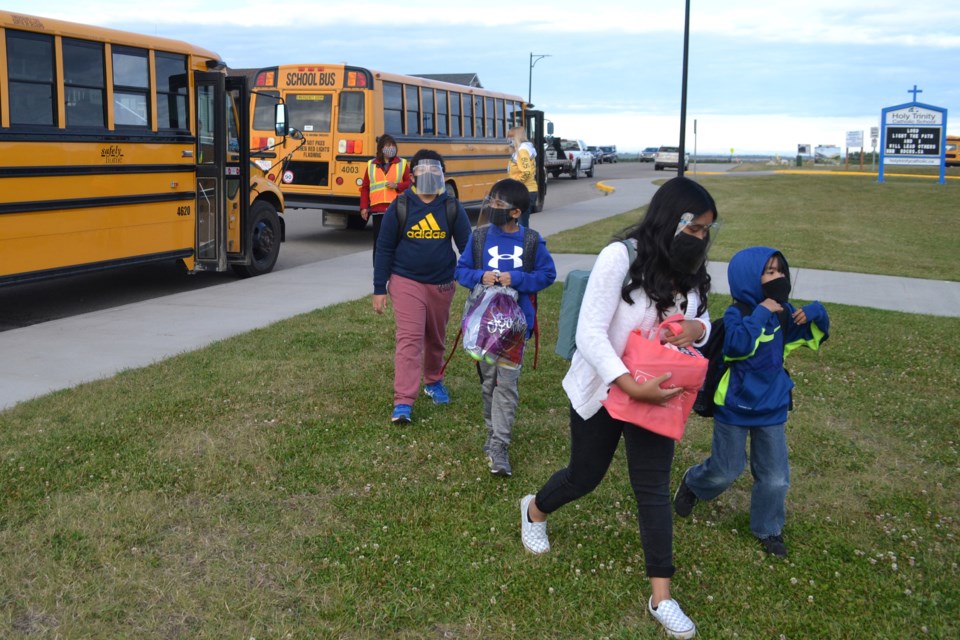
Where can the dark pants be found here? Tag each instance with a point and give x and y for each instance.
(649, 457)
(377, 221)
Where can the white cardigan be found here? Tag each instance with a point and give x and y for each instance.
(605, 324)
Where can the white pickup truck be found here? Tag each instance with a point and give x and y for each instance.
(567, 156)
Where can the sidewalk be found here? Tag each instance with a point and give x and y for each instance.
(63, 353)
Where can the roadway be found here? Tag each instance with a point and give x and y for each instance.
(307, 241)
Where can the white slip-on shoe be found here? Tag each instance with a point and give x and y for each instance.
(675, 622)
(533, 534)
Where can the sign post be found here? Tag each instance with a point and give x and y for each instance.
(913, 134)
(874, 133)
(854, 140)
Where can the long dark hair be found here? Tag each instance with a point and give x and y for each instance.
(651, 270)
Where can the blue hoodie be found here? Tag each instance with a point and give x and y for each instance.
(755, 390)
(421, 251)
(503, 252)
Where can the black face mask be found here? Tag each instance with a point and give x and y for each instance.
(777, 290)
(498, 216)
(687, 253)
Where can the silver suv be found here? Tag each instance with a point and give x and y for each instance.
(669, 157)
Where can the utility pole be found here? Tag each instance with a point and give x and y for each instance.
(534, 59)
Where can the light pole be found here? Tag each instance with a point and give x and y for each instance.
(534, 59)
(683, 90)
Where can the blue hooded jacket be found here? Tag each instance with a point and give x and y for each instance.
(755, 390)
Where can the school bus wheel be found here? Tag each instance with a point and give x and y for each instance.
(264, 241)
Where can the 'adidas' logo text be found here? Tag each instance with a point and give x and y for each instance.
(427, 229)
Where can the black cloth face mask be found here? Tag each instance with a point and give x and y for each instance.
(777, 289)
(687, 253)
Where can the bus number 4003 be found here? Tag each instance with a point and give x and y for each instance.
(183, 211)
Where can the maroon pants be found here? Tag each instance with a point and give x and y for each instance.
(421, 311)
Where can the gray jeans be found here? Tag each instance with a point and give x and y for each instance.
(501, 395)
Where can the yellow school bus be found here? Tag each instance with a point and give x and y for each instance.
(120, 149)
(952, 157)
(342, 110)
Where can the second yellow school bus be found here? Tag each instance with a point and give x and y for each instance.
(342, 110)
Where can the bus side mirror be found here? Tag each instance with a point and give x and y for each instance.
(549, 128)
(280, 119)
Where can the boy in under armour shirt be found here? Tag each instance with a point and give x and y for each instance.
(511, 256)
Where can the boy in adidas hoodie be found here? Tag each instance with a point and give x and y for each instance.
(753, 396)
(502, 262)
(415, 264)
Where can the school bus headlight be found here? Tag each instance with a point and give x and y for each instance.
(359, 182)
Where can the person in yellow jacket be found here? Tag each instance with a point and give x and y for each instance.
(387, 175)
(523, 167)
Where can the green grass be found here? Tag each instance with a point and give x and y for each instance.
(903, 227)
(254, 488)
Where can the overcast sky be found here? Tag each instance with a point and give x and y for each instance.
(764, 76)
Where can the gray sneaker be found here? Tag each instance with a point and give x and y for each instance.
(499, 460)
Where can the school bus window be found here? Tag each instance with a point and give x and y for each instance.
(468, 116)
(499, 114)
(514, 114)
(264, 106)
(413, 110)
(392, 108)
(172, 91)
(455, 114)
(478, 116)
(131, 87)
(428, 112)
(442, 127)
(205, 124)
(30, 68)
(310, 111)
(489, 117)
(84, 86)
(351, 116)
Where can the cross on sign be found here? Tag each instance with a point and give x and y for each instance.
(914, 91)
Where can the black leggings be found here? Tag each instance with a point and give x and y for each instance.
(649, 456)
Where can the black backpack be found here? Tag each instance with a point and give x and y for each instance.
(716, 367)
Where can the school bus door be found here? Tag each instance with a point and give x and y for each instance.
(211, 250)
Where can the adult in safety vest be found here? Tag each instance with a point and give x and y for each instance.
(387, 175)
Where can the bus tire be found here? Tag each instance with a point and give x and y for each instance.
(264, 241)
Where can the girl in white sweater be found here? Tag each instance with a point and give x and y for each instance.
(668, 276)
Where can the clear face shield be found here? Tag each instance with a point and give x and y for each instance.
(494, 211)
(428, 177)
(691, 241)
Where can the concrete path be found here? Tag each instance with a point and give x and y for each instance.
(63, 353)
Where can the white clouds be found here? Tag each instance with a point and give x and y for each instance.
(763, 75)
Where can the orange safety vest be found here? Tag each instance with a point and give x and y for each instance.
(379, 193)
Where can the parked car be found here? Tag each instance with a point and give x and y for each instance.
(648, 154)
(596, 153)
(609, 153)
(669, 157)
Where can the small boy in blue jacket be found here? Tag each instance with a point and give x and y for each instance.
(754, 394)
(502, 260)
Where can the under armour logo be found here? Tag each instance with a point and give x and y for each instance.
(495, 258)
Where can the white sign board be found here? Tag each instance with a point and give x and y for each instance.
(854, 139)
